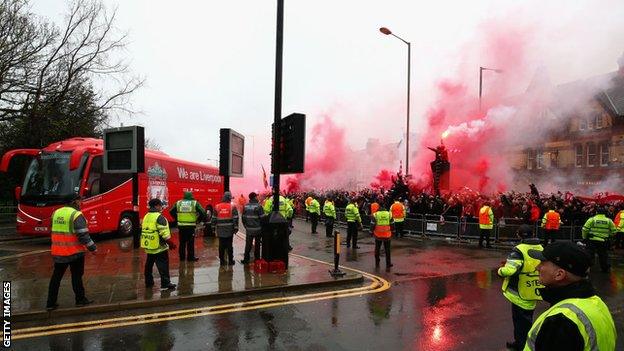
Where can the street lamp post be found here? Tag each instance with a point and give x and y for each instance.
(387, 31)
(481, 69)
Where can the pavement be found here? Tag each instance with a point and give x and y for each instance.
(114, 279)
(442, 295)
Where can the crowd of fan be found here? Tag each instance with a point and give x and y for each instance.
(527, 207)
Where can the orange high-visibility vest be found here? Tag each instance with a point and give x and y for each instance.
(64, 241)
(484, 215)
(618, 218)
(552, 220)
(382, 225)
(374, 208)
(398, 211)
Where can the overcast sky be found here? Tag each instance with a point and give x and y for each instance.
(210, 64)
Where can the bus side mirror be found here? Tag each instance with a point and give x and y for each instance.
(18, 193)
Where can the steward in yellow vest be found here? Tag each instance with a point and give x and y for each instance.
(486, 224)
(187, 212)
(381, 224)
(577, 319)
(352, 215)
(156, 240)
(70, 235)
(521, 285)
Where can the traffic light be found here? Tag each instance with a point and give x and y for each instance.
(292, 144)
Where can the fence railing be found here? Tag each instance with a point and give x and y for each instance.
(457, 227)
(7, 215)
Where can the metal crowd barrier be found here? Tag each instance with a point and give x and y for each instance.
(429, 225)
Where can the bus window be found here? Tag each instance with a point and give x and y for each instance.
(95, 176)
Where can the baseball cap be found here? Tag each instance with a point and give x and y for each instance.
(155, 202)
(566, 255)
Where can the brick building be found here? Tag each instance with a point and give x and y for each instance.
(590, 145)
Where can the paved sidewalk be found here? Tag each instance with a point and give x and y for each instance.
(114, 279)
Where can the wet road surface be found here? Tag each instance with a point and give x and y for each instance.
(443, 297)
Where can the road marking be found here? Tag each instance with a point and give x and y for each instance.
(378, 284)
(24, 254)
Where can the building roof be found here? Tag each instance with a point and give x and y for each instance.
(613, 97)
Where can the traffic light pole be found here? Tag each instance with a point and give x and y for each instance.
(277, 117)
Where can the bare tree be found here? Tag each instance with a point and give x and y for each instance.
(40, 63)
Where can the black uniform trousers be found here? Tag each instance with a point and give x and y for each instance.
(187, 242)
(162, 264)
(386, 245)
(619, 240)
(398, 226)
(522, 321)
(208, 230)
(599, 247)
(352, 234)
(329, 227)
(550, 235)
(314, 218)
(225, 248)
(484, 234)
(77, 270)
(249, 242)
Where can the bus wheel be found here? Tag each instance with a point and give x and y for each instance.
(127, 223)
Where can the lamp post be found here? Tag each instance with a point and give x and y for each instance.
(387, 31)
(481, 69)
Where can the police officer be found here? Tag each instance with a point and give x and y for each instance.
(252, 220)
(577, 319)
(226, 218)
(398, 215)
(520, 284)
(329, 210)
(187, 212)
(354, 221)
(70, 236)
(486, 223)
(314, 209)
(381, 223)
(596, 233)
(156, 240)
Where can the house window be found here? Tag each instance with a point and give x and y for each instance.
(591, 155)
(578, 149)
(598, 120)
(539, 157)
(604, 154)
(530, 159)
(554, 158)
(582, 124)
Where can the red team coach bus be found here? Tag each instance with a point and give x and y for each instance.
(70, 168)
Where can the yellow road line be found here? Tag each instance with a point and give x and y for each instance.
(378, 284)
(28, 253)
